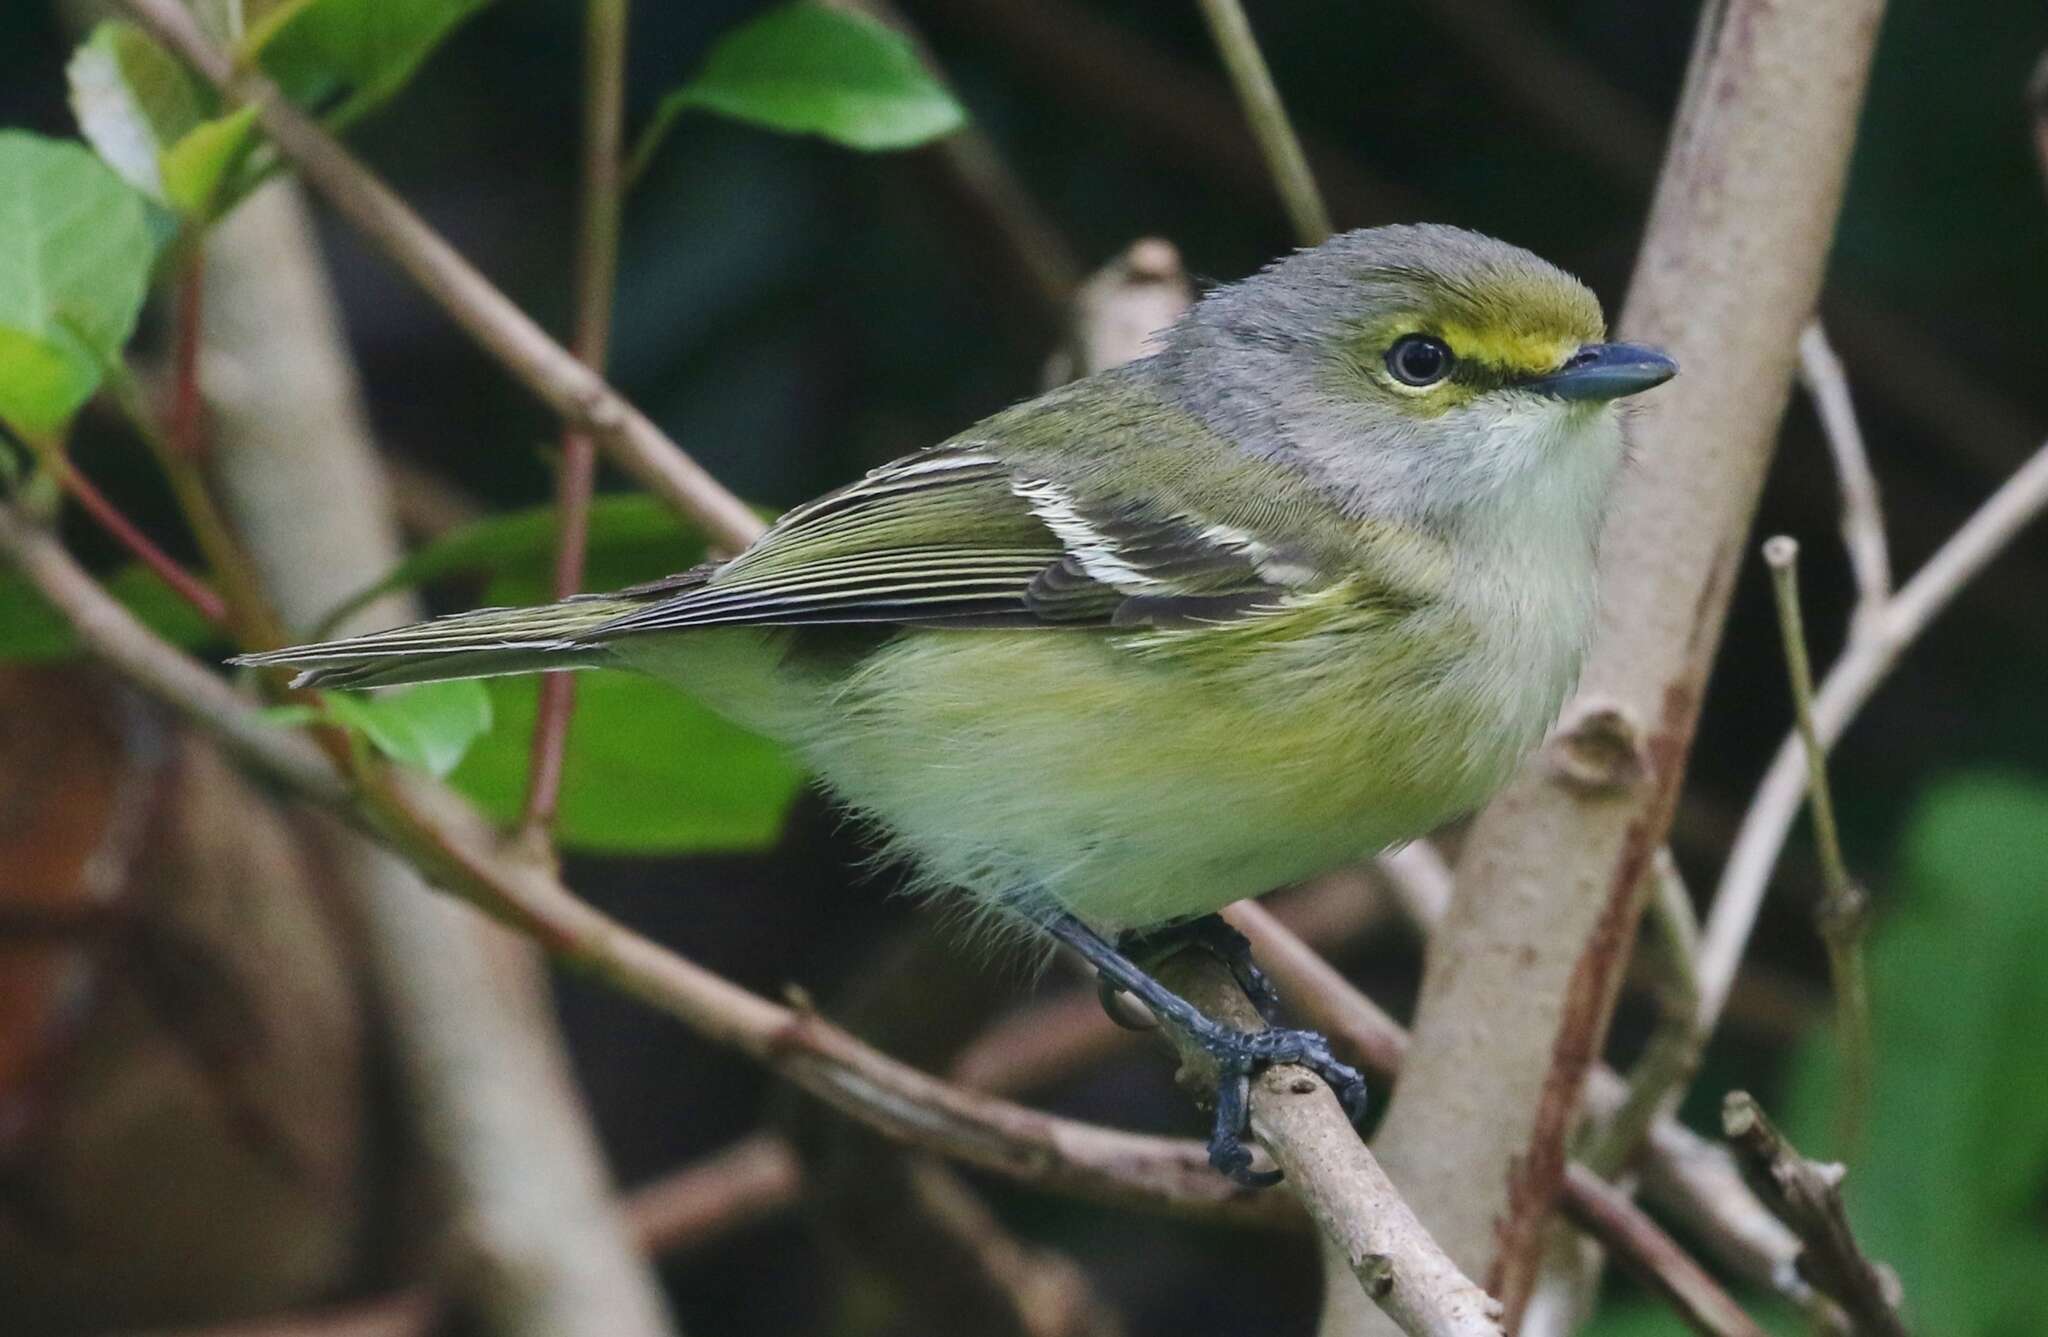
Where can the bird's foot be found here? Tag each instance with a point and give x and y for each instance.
(1239, 1055)
(1214, 935)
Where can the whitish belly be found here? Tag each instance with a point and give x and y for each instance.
(1023, 766)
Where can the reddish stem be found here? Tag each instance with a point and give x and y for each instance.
(186, 425)
(597, 262)
(182, 582)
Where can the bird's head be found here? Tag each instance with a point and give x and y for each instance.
(1421, 371)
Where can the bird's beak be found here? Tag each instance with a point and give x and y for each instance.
(1607, 371)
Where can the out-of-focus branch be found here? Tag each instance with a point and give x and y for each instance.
(140, 546)
(1173, 105)
(1807, 1194)
(754, 1178)
(577, 393)
(1551, 878)
(1000, 213)
(1873, 648)
(534, 1245)
(1267, 116)
(1862, 512)
(1653, 1256)
(1843, 914)
(2037, 110)
(597, 268)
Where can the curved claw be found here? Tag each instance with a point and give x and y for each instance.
(1227, 1151)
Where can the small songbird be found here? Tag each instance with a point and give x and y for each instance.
(1307, 581)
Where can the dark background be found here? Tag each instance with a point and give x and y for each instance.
(793, 313)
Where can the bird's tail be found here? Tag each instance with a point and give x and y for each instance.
(483, 644)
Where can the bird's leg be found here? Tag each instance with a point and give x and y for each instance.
(1238, 1054)
(1214, 935)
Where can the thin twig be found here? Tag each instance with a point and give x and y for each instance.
(178, 445)
(1868, 657)
(2037, 112)
(597, 268)
(1605, 1212)
(1843, 914)
(125, 532)
(552, 372)
(1268, 118)
(1862, 511)
(1808, 1195)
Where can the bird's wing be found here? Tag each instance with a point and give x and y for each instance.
(955, 536)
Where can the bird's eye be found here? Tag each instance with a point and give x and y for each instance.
(1419, 359)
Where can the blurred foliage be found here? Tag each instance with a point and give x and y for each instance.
(32, 632)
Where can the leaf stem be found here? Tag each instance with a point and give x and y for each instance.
(597, 266)
(1844, 910)
(124, 531)
(1268, 118)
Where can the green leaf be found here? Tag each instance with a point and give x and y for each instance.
(75, 254)
(204, 159)
(807, 69)
(343, 58)
(429, 726)
(1947, 1186)
(33, 632)
(648, 770)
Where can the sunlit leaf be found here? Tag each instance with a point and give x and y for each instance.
(429, 726)
(132, 99)
(75, 254)
(808, 69)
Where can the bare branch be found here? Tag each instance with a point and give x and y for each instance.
(573, 390)
(1862, 512)
(1868, 657)
(1232, 32)
(1605, 1212)
(1843, 913)
(1807, 1194)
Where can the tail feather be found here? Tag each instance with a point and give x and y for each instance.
(482, 644)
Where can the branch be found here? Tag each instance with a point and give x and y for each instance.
(1807, 1194)
(1232, 32)
(1873, 648)
(125, 532)
(1367, 1228)
(553, 373)
(1843, 913)
(1551, 877)
(597, 268)
(1862, 512)
(1605, 1212)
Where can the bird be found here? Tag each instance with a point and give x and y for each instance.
(1304, 582)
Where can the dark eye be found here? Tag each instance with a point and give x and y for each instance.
(1418, 359)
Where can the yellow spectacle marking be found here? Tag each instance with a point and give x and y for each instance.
(1511, 350)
